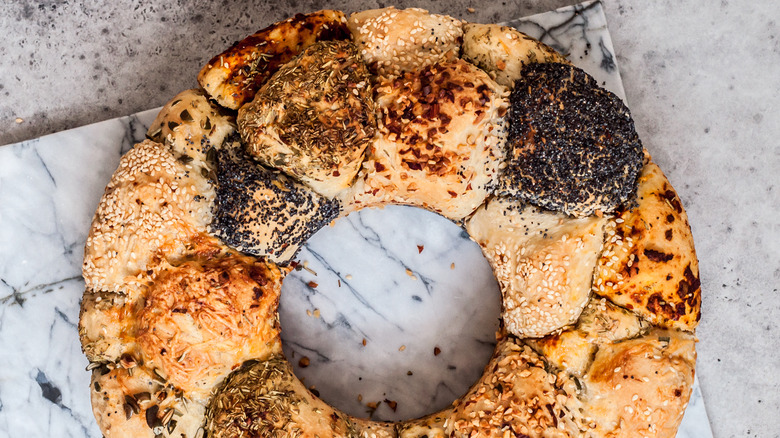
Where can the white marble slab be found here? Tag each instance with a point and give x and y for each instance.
(386, 276)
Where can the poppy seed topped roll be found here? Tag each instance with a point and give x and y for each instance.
(572, 146)
(263, 212)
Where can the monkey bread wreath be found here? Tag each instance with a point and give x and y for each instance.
(321, 115)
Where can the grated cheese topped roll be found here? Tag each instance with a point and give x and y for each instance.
(394, 41)
(438, 141)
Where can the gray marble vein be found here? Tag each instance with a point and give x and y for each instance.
(395, 305)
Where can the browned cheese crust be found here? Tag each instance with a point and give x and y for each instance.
(314, 117)
(394, 41)
(438, 140)
(233, 77)
(649, 264)
(203, 317)
(503, 51)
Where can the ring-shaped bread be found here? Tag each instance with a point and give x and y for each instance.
(183, 261)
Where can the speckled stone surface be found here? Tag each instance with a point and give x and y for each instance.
(701, 79)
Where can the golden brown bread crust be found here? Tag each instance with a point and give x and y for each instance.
(503, 51)
(437, 143)
(233, 77)
(191, 125)
(314, 117)
(151, 209)
(600, 323)
(516, 396)
(394, 41)
(649, 264)
(543, 262)
(135, 402)
(638, 387)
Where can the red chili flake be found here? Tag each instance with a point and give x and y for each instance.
(392, 403)
(379, 167)
(304, 362)
(420, 248)
(436, 351)
(312, 284)
(453, 194)
(364, 342)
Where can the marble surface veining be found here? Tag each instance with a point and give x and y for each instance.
(408, 282)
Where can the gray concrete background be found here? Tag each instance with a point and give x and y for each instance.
(702, 79)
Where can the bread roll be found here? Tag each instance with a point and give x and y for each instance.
(543, 262)
(314, 118)
(395, 41)
(572, 146)
(438, 140)
(503, 51)
(233, 77)
(649, 263)
(264, 212)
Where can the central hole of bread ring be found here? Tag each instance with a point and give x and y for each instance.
(400, 318)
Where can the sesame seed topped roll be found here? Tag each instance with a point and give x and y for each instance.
(517, 396)
(155, 208)
(190, 124)
(394, 41)
(543, 263)
(314, 118)
(438, 140)
(637, 387)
